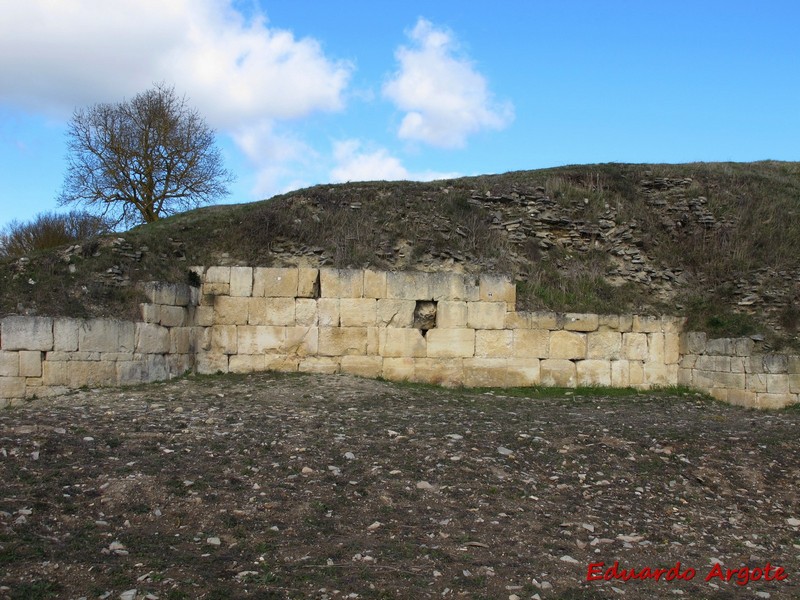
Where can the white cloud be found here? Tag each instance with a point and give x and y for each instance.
(355, 164)
(445, 99)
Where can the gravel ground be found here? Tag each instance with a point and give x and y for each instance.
(303, 486)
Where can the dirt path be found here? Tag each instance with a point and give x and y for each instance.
(275, 486)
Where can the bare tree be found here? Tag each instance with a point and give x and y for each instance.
(142, 159)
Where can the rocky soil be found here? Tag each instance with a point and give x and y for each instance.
(302, 486)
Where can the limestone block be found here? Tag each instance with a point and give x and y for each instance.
(754, 363)
(241, 281)
(531, 343)
(438, 371)
(275, 282)
(404, 343)
(737, 364)
(447, 286)
(522, 372)
(319, 364)
(155, 368)
(151, 313)
(204, 316)
(26, 333)
(567, 345)
(178, 364)
(279, 362)
(270, 311)
(217, 275)
(743, 346)
(131, 372)
(485, 372)
(374, 285)
(625, 323)
(341, 341)
(65, 334)
(486, 315)
(307, 283)
(688, 361)
(180, 340)
(518, 320)
(793, 363)
(408, 285)
(247, 363)
(557, 372)
(544, 320)
(9, 364)
(493, 343)
(30, 363)
(721, 347)
(173, 316)
(106, 335)
(646, 324)
(208, 364)
(301, 341)
(621, 373)
(213, 288)
(116, 356)
(497, 288)
(684, 377)
(708, 379)
(229, 310)
(593, 372)
(203, 338)
(394, 312)
(328, 310)
(159, 292)
(305, 312)
(341, 283)
(776, 363)
(12, 387)
(398, 369)
(794, 383)
(634, 346)
(451, 314)
(605, 345)
(659, 374)
(258, 339)
(608, 323)
(635, 373)
(363, 366)
(774, 401)
(152, 339)
(450, 343)
(672, 324)
(742, 398)
(54, 373)
(90, 373)
(655, 347)
(720, 394)
(672, 348)
(776, 384)
(358, 312)
(224, 340)
(376, 336)
(581, 322)
(186, 295)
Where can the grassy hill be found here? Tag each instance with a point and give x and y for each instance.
(717, 241)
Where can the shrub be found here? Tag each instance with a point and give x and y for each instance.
(49, 230)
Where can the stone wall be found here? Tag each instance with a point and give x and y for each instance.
(442, 328)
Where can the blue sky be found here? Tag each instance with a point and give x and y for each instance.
(311, 91)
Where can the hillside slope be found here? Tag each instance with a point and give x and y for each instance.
(717, 241)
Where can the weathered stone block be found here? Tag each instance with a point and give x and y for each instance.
(593, 372)
(259, 339)
(522, 372)
(341, 283)
(363, 366)
(742, 398)
(646, 324)
(173, 316)
(756, 382)
(486, 315)
(285, 364)
(531, 343)
(720, 394)
(151, 313)
(224, 340)
(358, 312)
(275, 282)
(634, 346)
(211, 288)
(159, 292)
(307, 283)
(451, 314)
(581, 322)
(203, 338)
(544, 320)
(9, 364)
(636, 373)
(30, 363)
(178, 364)
(625, 323)
(737, 364)
(374, 285)
(26, 333)
(394, 312)
(341, 341)
(305, 312)
(621, 373)
(229, 310)
(754, 363)
(794, 382)
(301, 341)
(793, 363)
(448, 372)
(604, 345)
(776, 384)
(247, 363)
(450, 343)
(721, 347)
(186, 295)
(241, 281)
(217, 275)
(774, 401)
(398, 368)
(518, 320)
(608, 323)
(54, 373)
(403, 343)
(672, 348)
(408, 285)
(90, 373)
(655, 347)
(328, 310)
(204, 316)
(496, 288)
(319, 364)
(688, 361)
(567, 345)
(776, 363)
(65, 334)
(556, 372)
(659, 374)
(447, 286)
(152, 339)
(12, 387)
(208, 363)
(106, 335)
(493, 343)
(684, 377)
(671, 324)
(271, 311)
(180, 340)
(485, 372)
